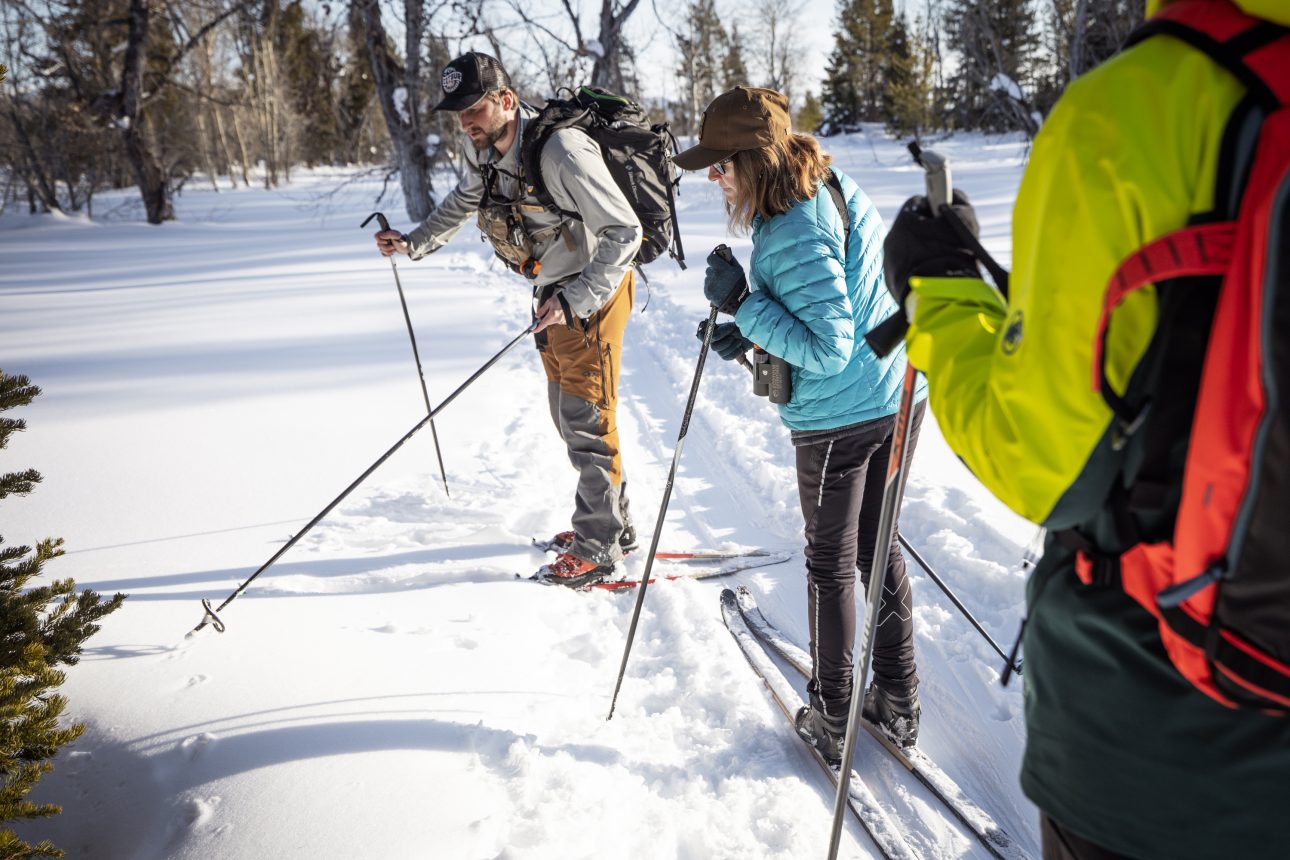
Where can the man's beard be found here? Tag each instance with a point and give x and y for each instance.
(491, 137)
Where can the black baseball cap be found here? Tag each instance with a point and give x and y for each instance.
(469, 78)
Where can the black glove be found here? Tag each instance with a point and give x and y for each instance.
(727, 342)
(725, 284)
(922, 244)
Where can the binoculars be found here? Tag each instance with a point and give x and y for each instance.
(771, 376)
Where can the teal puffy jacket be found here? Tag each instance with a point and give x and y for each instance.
(811, 304)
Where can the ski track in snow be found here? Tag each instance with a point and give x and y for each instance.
(388, 689)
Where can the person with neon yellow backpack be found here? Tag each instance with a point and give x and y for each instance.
(1125, 756)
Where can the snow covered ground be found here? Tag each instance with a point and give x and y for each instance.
(388, 689)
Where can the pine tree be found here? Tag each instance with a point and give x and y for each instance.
(310, 67)
(699, 44)
(357, 90)
(855, 76)
(811, 114)
(907, 99)
(734, 69)
(43, 626)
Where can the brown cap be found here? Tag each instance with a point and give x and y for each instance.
(743, 118)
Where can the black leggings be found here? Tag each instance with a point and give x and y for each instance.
(1061, 844)
(841, 489)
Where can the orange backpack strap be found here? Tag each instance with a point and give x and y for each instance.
(1204, 249)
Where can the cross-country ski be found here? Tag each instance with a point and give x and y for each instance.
(996, 840)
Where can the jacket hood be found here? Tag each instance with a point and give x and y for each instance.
(1277, 11)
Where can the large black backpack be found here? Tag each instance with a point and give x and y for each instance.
(638, 155)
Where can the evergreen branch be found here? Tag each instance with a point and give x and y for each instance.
(16, 390)
(40, 627)
(18, 483)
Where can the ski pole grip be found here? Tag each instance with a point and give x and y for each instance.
(723, 251)
(937, 168)
(380, 218)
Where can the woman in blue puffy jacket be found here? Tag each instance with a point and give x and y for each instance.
(814, 287)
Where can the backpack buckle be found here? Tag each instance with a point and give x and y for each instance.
(1122, 430)
(1096, 569)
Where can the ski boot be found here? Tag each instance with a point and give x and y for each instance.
(559, 544)
(895, 714)
(823, 733)
(572, 572)
(563, 541)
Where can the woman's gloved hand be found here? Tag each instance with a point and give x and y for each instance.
(727, 342)
(725, 284)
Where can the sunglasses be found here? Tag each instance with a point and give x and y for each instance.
(720, 166)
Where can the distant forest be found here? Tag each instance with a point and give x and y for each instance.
(153, 94)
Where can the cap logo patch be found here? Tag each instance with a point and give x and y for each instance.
(451, 80)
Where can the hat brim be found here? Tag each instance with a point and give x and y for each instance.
(699, 157)
(459, 101)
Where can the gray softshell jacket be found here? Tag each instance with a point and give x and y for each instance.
(591, 256)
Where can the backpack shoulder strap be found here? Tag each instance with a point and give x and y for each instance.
(1244, 45)
(834, 186)
(537, 131)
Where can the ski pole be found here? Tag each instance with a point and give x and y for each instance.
(212, 615)
(927, 568)
(667, 493)
(416, 355)
(938, 194)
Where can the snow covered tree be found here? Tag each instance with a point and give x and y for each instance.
(43, 626)
(996, 41)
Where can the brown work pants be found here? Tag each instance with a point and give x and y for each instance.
(582, 363)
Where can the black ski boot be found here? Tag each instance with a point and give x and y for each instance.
(824, 733)
(894, 713)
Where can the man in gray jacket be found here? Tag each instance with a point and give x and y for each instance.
(583, 283)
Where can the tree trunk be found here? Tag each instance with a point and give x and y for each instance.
(607, 71)
(222, 139)
(154, 185)
(206, 145)
(400, 104)
(241, 147)
(38, 184)
(1077, 41)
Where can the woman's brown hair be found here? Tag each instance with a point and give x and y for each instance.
(769, 180)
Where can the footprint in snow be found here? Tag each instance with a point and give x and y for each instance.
(195, 745)
(198, 812)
